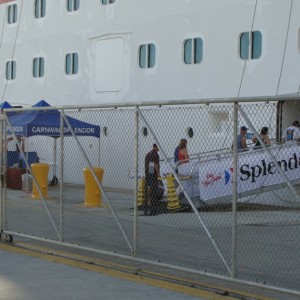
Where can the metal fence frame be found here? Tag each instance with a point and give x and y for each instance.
(133, 247)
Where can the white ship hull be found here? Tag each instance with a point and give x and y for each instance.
(107, 39)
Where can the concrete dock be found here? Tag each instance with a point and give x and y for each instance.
(32, 269)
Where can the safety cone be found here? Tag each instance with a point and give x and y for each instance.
(173, 199)
(141, 193)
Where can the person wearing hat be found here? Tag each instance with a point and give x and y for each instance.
(241, 139)
(152, 172)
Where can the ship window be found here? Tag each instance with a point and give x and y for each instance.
(190, 132)
(10, 70)
(193, 51)
(147, 56)
(40, 8)
(250, 45)
(145, 131)
(12, 14)
(72, 66)
(104, 2)
(73, 5)
(38, 67)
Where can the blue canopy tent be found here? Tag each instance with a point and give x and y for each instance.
(12, 156)
(47, 123)
(5, 105)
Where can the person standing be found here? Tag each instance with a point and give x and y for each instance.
(21, 141)
(183, 153)
(152, 172)
(264, 136)
(176, 151)
(183, 156)
(186, 171)
(241, 139)
(292, 132)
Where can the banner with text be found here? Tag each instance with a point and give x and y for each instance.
(255, 170)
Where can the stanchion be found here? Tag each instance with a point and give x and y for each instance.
(40, 172)
(92, 191)
(173, 199)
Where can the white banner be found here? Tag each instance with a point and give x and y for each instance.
(255, 170)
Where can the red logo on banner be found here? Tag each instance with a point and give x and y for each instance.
(211, 179)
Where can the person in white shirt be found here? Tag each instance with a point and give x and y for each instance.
(292, 133)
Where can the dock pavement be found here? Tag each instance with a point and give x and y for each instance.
(33, 271)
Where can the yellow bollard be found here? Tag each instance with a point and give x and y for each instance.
(141, 193)
(173, 200)
(92, 191)
(40, 172)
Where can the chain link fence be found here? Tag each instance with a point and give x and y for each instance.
(221, 211)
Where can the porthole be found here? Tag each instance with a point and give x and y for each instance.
(190, 132)
(145, 131)
(105, 130)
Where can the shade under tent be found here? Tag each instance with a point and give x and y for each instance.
(47, 123)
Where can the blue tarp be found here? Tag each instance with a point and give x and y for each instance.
(47, 123)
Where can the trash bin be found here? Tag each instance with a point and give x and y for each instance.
(92, 191)
(14, 178)
(40, 172)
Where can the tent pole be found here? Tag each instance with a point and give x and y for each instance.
(54, 157)
(25, 144)
(99, 151)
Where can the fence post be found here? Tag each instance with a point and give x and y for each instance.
(234, 187)
(136, 163)
(61, 186)
(1, 173)
(3, 170)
